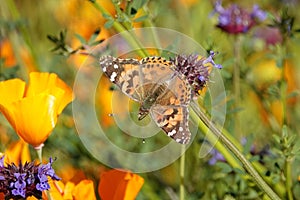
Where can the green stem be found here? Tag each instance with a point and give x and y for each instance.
(236, 80)
(148, 23)
(283, 98)
(120, 29)
(278, 187)
(182, 165)
(288, 176)
(39, 153)
(283, 85)
(246, 164)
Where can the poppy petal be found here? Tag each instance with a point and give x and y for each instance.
(116, 184)
(84, 190)
(32, 123)
(41, 82)
(6, 88)
(17, 152)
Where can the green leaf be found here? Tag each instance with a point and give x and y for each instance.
(277, 139)
(254, 158)
(52, 38)
(284, 132)
(107, 16)
(93, 37)
(294, 93)
(62, 35)
(248, 145)
(96, 42)
(109, 24)
(141, 18)
(138, 4)
(224, 167)
(80, 38)
(239, 171)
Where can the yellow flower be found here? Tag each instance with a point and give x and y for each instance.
(17, 152)
(83, 190)
(32, 111)
(264, 71)
(115, 185)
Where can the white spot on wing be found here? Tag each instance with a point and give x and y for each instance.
(171, 133)
(116, 66)
(113, 76)
(104, 69)
(180, 128)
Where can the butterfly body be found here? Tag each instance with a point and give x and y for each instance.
(160, 90)
(150, 99)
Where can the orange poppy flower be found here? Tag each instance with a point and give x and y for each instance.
(32, 111)
(83, 190)
(17, 152)
(60, 191)
(117, 185)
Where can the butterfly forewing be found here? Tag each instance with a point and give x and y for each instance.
(131, 75)
(155, 84)
(124, 73)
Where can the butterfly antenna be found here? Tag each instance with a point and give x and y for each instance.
(118, 114)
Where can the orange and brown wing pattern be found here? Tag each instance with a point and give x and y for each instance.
(124, 73)
(130, 75)
(154, 83)
(173, 119)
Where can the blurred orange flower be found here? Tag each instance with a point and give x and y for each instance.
(265, 73)
(109, 101)
(117, 185)
(7, 52)
(32, 111)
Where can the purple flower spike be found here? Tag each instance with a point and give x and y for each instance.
(235, 20)
(195, 69)
(26, 180)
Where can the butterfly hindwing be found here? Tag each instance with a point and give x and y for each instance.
(173, 120)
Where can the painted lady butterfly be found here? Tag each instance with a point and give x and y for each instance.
(160, 90)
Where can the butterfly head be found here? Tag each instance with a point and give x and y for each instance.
(143, 112)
